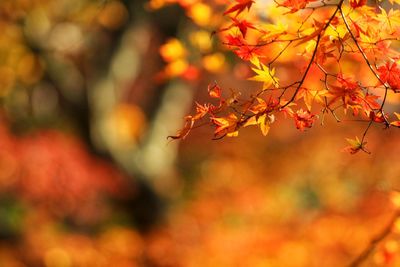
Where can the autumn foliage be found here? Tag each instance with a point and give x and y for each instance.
(312, 60)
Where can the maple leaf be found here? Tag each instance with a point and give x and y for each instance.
(369, 103)
(266, 76)
(240, 7)
(318, 27)
(390, 73)
(396, 123)
(286, 110)
(355, 146)
(357, 3)
(348, 91)
(295, 5)
(185, 130)
(330, 37)
(263, 121)
(202, 110)
(243, 25)
(309, 96)
(304, 119)
(389, 20)
(271, 31)
(241, 48)
(264, 106)
(246, 53)
(232, 40)
(225, 126)
(214, 90)
(378, 117)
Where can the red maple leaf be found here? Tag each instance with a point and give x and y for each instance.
(243, 25)
(390, 73)
(241, 48)
(240, 7)
(357, 3)
(234, 40)
(246, 52)
(304, 119)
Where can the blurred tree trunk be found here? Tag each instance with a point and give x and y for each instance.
(125, 77)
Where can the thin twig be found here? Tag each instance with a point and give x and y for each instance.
(339, 6)
(387, 87)
(375, 241)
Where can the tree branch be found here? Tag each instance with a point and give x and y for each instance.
(375, 241)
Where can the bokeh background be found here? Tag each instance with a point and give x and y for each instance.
(89, 91)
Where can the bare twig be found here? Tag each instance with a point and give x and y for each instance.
(375, 241)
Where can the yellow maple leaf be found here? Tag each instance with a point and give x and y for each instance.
(264, 123)
(309, 96)
(389, 20)
(266, 76)
(355, 146)
(274, 30)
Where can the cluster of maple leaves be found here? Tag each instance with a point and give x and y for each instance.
(327, 37)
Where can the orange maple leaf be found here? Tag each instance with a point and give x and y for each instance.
(225, 126)
(185, 130)
(355, 146)
(295, 5)
(214, 90)
(349, 91)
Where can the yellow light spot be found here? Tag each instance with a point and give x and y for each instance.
(176, 68)
(201, 40)
(30, 69)
(156, 4)
(172, 50)
(113, 16)
(391, 246)
(200, 13)
(129, 123)
(57, 257)
(214, 63)
(395, 198)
